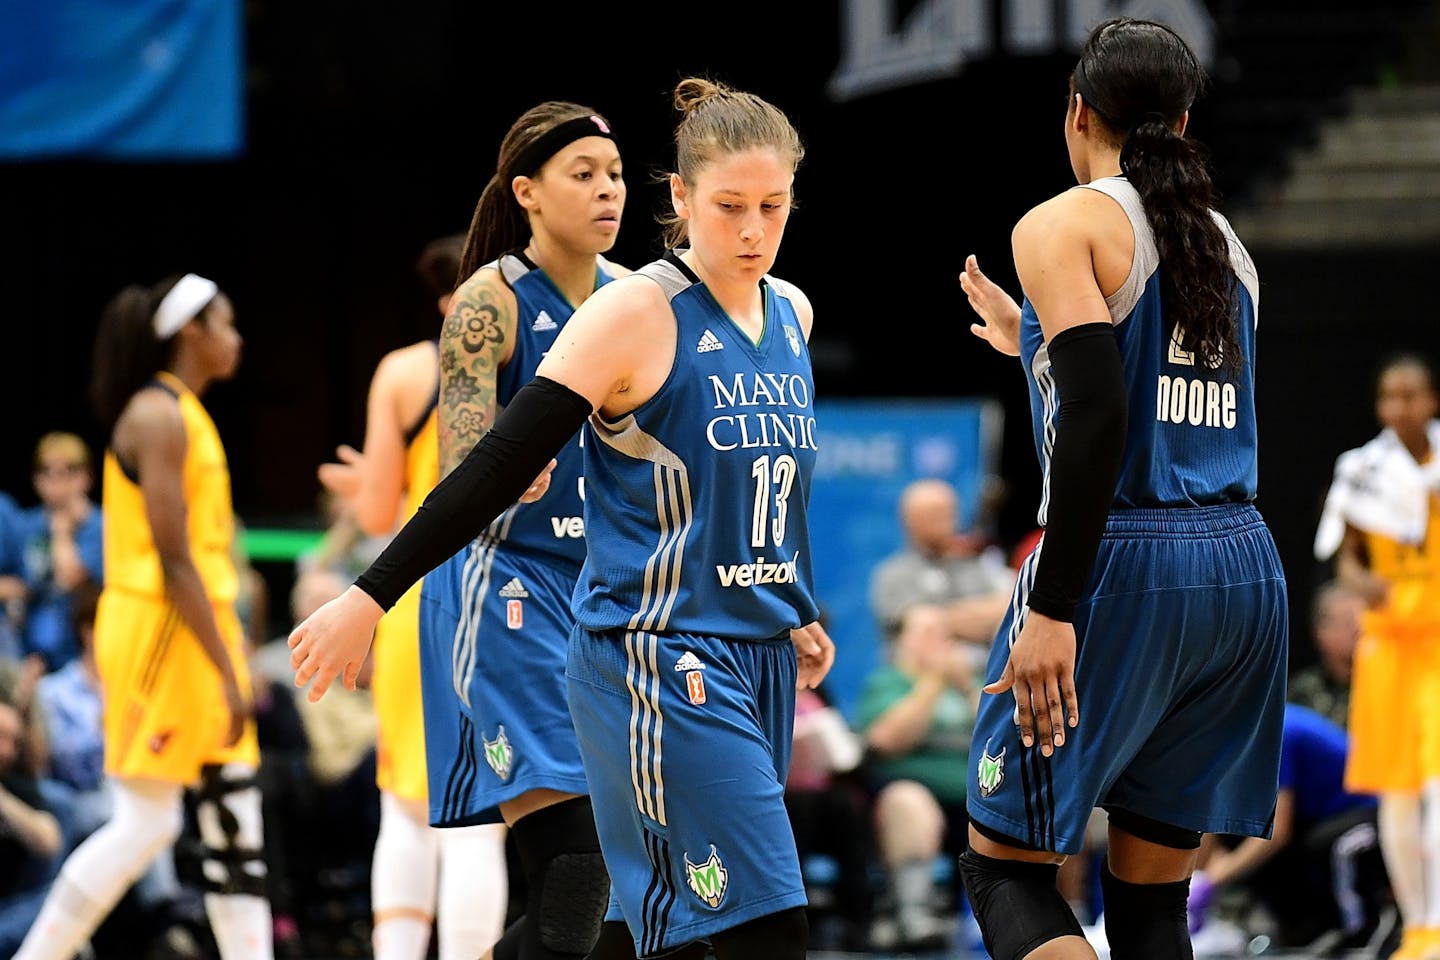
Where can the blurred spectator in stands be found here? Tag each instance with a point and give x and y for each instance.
(916, 714)
(828, 815)
(346, 548)
(32, 845)
(61, 546)
(1321, 870)
(12, 582)
(1335, 625)
(940, 564)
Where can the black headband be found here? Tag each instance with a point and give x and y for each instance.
(557, 138)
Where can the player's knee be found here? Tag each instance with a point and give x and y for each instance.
(1145, 920)
(228, 811)
(1016, 904)
(560, 853)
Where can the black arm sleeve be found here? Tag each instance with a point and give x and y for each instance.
(541, 418)
(1090, 429)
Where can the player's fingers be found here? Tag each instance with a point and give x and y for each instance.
(979, 330)
(1054, 715)
(320, 684)
(1071, 698)
(1006, 681)
(352, 672)
(347, 453)
(1024, 712)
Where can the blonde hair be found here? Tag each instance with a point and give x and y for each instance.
(62, 444)
(718, 120)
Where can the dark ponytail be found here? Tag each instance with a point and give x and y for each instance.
(127, 353)
(499, 224)
(1139, 77)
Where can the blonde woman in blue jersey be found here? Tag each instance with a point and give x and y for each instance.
(696, 616)
(1142, 665)
(456, 878)
(168, 642)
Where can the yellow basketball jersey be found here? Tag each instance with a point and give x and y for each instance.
(132, 563)
(1413, 571)
(400, 760)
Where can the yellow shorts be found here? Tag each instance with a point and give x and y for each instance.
(395, 688)
(165, 714)
(1394, 709)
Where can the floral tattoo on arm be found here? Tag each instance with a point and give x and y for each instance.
(472, 347)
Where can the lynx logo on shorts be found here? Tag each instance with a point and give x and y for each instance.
(498, 754)
(708, 880)
(695, 685)
(514, 614)
(792, 337)
(992, 771)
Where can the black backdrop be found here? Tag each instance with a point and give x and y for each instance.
(371, 132)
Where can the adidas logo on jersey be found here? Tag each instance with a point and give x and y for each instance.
(708, 342)
(543, 323)
(688, 662)
(514, 589)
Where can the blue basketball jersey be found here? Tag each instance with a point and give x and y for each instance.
(696, 509)
(1192, 437)
(553, 527)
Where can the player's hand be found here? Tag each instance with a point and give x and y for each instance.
(1041, 674)
(334, 641)
(814, 655)
(239, 711)
(999, 313)
(541, 484)
(343, 478)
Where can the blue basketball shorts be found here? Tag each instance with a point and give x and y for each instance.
(1180, 673)
(494, 628)
(686, 741)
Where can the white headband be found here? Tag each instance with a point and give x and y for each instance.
(182, 304)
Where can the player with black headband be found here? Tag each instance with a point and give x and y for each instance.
(1142, 665)
(495, 617)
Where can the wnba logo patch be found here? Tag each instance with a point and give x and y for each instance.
(695, 685)
(514, 614)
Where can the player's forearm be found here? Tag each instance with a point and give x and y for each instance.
(36, 829)
(187, 591)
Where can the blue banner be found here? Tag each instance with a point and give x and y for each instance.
(121, 79)
(868, 450)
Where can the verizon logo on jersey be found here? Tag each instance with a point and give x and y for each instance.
(568, 526)
(755, 574)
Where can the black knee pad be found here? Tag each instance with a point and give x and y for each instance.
(775, 936)
(569, 887)
(1145, 920)
(1016, 904)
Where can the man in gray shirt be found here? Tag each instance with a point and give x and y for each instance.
(940, 565)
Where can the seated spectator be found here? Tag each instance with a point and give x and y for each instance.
(1321, 870)
(827, 815)
(31, 843)
(939, 564)
(61, 546)
(12, 583)
(916, 714)
(1335, 625)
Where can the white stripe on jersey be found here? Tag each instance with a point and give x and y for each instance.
(472, 602)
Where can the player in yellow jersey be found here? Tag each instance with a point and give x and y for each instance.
(167, 640)
(1384, 509)
(416, 868)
